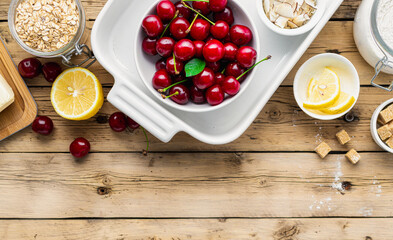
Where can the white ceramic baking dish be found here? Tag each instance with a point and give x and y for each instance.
(113, 39)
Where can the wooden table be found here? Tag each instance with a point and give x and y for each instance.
(269, 184)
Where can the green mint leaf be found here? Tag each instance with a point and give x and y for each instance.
(194, 67)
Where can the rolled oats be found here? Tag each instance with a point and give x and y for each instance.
(46, 25)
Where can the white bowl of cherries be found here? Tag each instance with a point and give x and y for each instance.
(197, 57)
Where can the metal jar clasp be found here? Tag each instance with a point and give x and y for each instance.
(384, 62)
(82, 49)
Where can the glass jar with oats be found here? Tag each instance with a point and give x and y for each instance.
(50, 29)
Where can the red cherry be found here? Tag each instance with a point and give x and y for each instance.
(80, 147)
(181, 94)
(246, 56)
(153, 26)
(230, 51)
(227, 39)
(185, 50)
(240, 35)
(132, 124)
(213, 51)
(166, 10)
(235, 70)
(217, 5)
(197, 95)
(226, 15)
(30, 68)
(203, 7)
(205, 79)
(42, 125)
(183, 11)
(178, 27)
(118, 122)
(220, 30)
(161, 64)
(215, 95)
(165, 46)
(149, 46)
(51, 71)
(161, 79)
(199, 48)
(209, 38)
(200, 30)
(230, 86)
(215, 66)
(219, 78)
(170, 66)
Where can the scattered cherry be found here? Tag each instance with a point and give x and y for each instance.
(161, 64)
(225, 15)
(183, 11)
(240, 35)
(205, 79)
(30, 68)
(230, 86)
(246, 56)
(166, 10)
(170, 66)
(51, 71)
(149, 46)
(230, 51)
(161, 79)
(118, 122)
(215, 95)
(220, 30)
(179, 27)
(200, 30)
(217, 5)
(213, 51)
(80, 147)
(199, 48)
(184, 50)
(203, 7)
(165, 46)
(42, 125)
(179, 94)
(197, 95)
(153, 26)
(132, 124)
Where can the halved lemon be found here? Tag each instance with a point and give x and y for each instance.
(77, 94)
(344, 102)
(323, 90)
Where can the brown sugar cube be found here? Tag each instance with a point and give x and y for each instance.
(384, 132)
(323, 150)
(386, 116)
(389, 142)
(390, 107)
(353, 156)
(390, 126)
(343, 137)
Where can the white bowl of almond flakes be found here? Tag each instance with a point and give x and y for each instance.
(291, 17)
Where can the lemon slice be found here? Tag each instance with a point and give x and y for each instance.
(344, 102)
(323, 90)
(77, 94)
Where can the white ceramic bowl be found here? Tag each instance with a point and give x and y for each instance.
(349, 80)
(146, 64)
(321, 7)
(374, 126)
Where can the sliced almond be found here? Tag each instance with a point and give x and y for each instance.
(281, 22)
(292, 25)
(299, 20)
(273, 16)
(311, 3)
(285, 10)
(266, 6)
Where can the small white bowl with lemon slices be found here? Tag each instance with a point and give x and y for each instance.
(327, 86)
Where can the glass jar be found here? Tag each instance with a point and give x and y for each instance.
(368, 38)
(75, 47)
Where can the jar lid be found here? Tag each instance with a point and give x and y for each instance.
(376, 30)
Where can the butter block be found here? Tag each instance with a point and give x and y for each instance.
(7, 96)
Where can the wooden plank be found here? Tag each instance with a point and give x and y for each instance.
(281, 126)
(173, 229)
(184, 185)
(336, 37)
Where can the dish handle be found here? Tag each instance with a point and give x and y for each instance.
(148, 113)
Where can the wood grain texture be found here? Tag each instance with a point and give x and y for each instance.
(188, 185)
(172, 229)
(281, 126)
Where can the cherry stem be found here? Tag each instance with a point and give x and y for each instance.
(174, 94)
(256, 64)
(223, 71)
(200, 14)
(147, 142)
(193, 21)
(167, 88)
(167, 26)
(174, 63)
(196, 1)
